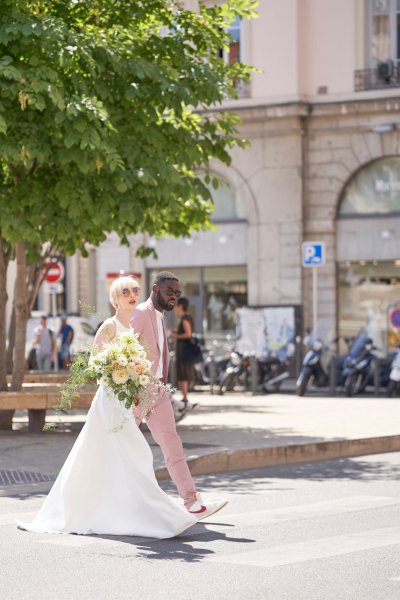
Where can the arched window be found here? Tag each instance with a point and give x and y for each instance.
(374, 190)
(228, 205)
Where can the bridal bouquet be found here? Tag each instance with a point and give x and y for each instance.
(122, 366)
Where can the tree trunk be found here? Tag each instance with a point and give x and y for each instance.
(11, 341)
(35, 277)
(5, 254)
(21, 317)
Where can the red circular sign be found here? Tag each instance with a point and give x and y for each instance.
(55, 273)
(395, 318)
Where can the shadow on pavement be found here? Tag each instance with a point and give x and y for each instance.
(179, 548)
(252, 481)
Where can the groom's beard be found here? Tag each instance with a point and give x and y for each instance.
(163, 304)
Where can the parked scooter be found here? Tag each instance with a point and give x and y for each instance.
(271, 373)
(312, 369)
(394, 377)
(237, 372)
(357, 368)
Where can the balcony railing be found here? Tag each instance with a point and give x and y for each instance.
(384, 76)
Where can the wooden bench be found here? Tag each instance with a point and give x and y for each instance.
(39, 398)
(47, 377)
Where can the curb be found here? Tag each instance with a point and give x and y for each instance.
(255, 458)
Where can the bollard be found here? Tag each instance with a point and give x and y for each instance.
(253, 374)
(212, 372)
(377, 376)
(332, 375)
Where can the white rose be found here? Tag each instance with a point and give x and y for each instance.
(143, 380)
(100, 357)
(130, 367)
(122, 361)
(119, 376)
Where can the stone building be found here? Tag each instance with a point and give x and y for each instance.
(323, 120)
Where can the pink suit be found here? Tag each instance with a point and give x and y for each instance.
(161, 422)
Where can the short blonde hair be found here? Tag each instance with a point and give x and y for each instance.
(118, 285)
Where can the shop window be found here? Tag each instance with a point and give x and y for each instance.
(369, 292)
(374, 190)
(214, 294)
(225, 291)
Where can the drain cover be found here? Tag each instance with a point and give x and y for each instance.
(9, 477)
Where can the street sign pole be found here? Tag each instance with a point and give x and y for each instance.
(315, 301)
(54, 275)
(54, 314)
(314, 257)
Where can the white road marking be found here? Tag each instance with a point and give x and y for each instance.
(308, 511)
(11, 518)
(312, 549)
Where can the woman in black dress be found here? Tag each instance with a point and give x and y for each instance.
(185, 371)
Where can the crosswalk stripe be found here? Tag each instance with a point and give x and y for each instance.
(11, 518)
(314, 549)
(307, 511)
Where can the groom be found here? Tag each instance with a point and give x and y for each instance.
(147, 320)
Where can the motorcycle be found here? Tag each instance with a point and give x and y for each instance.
(237, 372)
(357, 367)
(271, 373)
(394, 377)
(312, 368)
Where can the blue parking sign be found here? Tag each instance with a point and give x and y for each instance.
(313, 254)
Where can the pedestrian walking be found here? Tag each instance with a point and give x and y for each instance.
(66, 335)
(45, 344)
(107, 484)
(148, 320)
(184, 366)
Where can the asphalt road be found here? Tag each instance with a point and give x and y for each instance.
(324, 530)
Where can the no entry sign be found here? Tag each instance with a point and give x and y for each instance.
(55, 272)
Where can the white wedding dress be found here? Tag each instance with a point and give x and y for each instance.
(107, 484)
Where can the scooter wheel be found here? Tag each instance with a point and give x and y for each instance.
(349, 386)
(301, 384)
(391, 388)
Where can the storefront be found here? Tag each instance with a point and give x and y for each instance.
(214, 294)
(368, 251)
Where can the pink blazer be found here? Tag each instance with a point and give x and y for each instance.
(144, 322)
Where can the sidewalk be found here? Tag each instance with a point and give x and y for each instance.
(232, 432)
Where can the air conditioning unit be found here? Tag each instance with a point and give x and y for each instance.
(385, 70)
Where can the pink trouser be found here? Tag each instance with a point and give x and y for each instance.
(161, 423)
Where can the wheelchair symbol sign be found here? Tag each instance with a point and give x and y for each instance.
(313, 254)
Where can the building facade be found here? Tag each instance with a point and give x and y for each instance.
(322, 117)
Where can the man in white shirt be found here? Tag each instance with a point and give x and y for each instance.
(45, 344)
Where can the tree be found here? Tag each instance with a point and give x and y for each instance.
(108, 110)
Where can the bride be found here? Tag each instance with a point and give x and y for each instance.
(107, 484)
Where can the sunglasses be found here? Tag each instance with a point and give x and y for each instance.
(126, 292)
(170, 292)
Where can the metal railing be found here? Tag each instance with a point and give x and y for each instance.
(382, 77)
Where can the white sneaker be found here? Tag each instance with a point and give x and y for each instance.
(179, 415)
(186, 406)
(202, 510)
